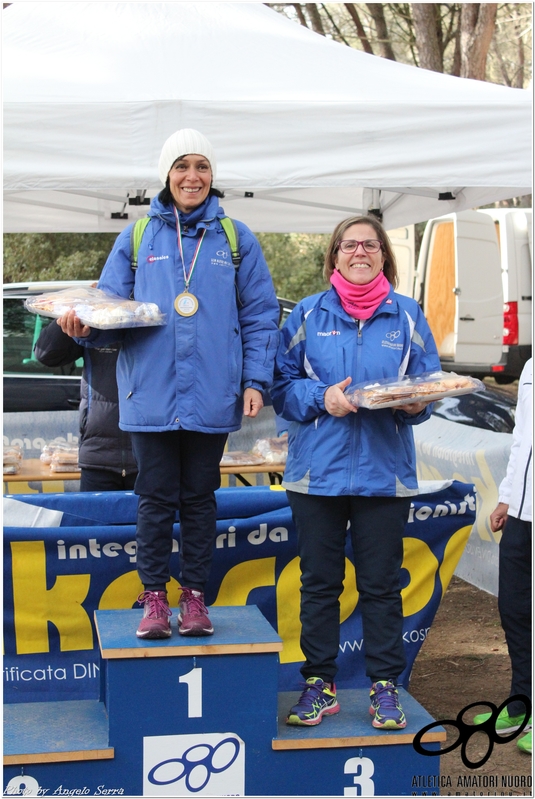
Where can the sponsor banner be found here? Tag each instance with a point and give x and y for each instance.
(55, 578)
(449, 451)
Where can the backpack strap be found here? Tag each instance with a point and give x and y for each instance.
(233, 236)
(229, 227)
(136, 234)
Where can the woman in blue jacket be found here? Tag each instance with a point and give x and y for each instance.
(184, 386)
(348, 466)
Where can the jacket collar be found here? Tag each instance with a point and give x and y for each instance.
(200, 217)
(331, 302)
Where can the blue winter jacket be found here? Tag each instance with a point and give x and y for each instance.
(368, 453)
(191, 373)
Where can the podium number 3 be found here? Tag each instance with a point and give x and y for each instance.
(363, 767)
(193, 680)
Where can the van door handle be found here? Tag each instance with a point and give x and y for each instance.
(456, 290)
(466, 319)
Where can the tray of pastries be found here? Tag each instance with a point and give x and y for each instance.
(96, 308)
(393, 392)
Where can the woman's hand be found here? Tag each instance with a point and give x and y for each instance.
(253, 402)
(335, 402)
(71, 325)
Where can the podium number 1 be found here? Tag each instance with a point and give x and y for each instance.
(193, 680)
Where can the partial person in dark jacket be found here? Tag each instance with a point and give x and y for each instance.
(106, 459)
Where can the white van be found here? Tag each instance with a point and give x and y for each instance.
(474, 283)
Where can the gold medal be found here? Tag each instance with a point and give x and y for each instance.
(186, 304)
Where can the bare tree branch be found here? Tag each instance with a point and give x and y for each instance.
(499, 58)
(459, 41)
(340, 36)
(361, 33)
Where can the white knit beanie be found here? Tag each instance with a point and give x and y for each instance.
(184, 142)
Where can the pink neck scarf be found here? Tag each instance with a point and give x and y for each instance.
(360, 301)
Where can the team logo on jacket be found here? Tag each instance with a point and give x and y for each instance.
(328, 333)
(153, 258)
(391, 337)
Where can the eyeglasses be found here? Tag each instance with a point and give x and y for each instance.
(349, 246)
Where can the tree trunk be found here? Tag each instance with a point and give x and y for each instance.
(477, 27)
(377, 12)
(456, 64)
(518, 81)
(300, 15)
(315, 18)
(424, 16)
(361, 33)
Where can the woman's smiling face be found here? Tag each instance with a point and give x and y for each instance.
(359, 267)
(190, 179)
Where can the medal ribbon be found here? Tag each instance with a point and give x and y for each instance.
(187, 277)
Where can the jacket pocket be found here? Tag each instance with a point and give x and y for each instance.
(236, 361)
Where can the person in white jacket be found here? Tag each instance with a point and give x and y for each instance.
(513, 515)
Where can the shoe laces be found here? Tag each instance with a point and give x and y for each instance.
(157, 605)
(194, 602)
(386, 695)
(312, 692)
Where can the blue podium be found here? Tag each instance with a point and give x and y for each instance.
(201, 717)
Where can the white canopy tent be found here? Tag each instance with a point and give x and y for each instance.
(306, 131)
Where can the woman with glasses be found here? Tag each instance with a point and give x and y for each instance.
(351, 466)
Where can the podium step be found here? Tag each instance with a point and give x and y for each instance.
(239, 630)
(352, 725)
(55, 732)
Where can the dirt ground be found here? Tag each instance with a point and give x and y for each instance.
(463, 660)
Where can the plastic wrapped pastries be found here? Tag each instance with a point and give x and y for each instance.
(12, 459)
(392, 392)
(60, 456)
(96, 308)
(273, 450)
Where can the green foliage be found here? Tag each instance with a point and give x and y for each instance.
(55, 256)
(296, 262)
(295, 259)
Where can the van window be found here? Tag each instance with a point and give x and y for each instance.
(21, 331)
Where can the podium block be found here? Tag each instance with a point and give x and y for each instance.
(349, 757)
(48, 732)
(189, 710)
(201, 716)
